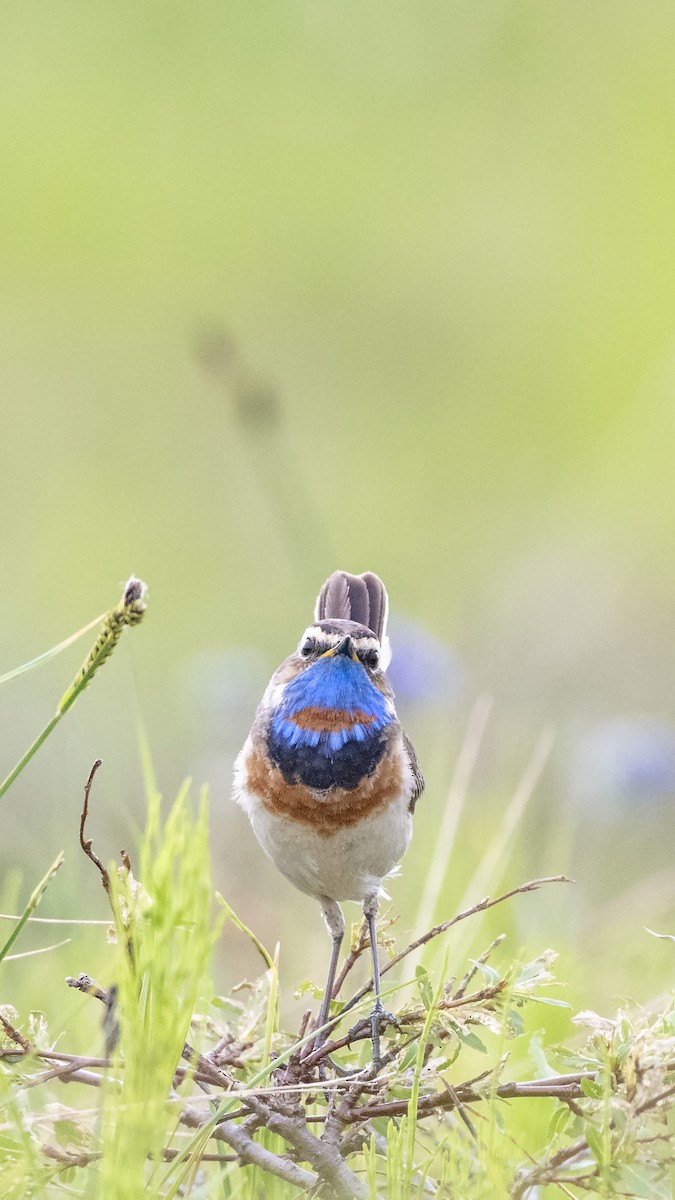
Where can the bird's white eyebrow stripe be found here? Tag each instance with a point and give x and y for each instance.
(322, 637)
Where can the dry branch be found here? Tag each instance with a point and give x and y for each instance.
(86, 843)
(483, 905)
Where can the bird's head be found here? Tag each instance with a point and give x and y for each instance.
(333, 690)
(338, 639)
(342, 656)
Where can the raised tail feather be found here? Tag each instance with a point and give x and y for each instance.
(360, 598)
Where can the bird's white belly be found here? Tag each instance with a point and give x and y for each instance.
(346, 865)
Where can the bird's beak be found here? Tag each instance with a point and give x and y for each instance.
(345, 647)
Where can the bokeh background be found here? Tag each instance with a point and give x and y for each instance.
(286, 286)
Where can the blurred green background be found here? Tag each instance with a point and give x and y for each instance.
(292, 286)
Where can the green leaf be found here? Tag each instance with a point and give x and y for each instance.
(532, 969)
(32, 904)
(450, 1057)
(409, 1056)
(308, 987)
(619, 1118)
(634, 1181)
(487, 971)
(558, 1122)
(234, 1008)
(471, 1039)
(67, 1133)
(540, 1062)
(381, 1125)
(592, 1089)
(424, 986)
(549, 1000)
(516, 1023)
(594, 1138)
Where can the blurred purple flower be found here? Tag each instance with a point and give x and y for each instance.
(626, 760)
(422, 670)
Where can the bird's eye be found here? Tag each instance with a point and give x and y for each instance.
(308, 647)
(371, 658)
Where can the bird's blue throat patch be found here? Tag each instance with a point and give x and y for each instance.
(328, 729)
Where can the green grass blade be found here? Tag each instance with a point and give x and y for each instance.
(494, 859)
(164, 945)
(438, 867)
(41, 658)
(411, 1122)
(272, 1020)
(239, 924)
(34, 900)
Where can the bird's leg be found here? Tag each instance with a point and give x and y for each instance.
(332, 915)
(379, 1019)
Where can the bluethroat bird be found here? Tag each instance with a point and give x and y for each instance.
(327, 776)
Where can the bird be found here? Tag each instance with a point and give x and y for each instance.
(327, 776)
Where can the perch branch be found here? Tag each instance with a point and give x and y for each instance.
(249, 1151)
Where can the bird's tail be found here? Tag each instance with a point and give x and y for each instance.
(360, 598)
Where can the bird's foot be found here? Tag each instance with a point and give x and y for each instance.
(345, 1072)
(378, 1016)
(378, 1021)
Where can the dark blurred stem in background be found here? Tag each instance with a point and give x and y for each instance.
(273, 459)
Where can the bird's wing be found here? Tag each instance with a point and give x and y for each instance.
(418, 778)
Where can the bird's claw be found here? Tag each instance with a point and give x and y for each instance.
(377, 1023)
(379, 1018)
(358, 1029)
(345, 1072)
(383, 1019)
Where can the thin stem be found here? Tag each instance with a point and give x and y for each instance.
(34, 900)
(129, 611)
(32, 750)
(36, 662)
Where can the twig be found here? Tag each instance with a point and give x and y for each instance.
(86, 843)
(169, 1155)
(489, 992)
(531, 886)
(66, 1158)
(325, 1158)
(205, 1070)
(14, 1034)
(558, 1087)
(65, 1072)
(249, 1151)
(544, 1171)
(80, 1060)
(475, 966)
(85, 983)
(457, 1104)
